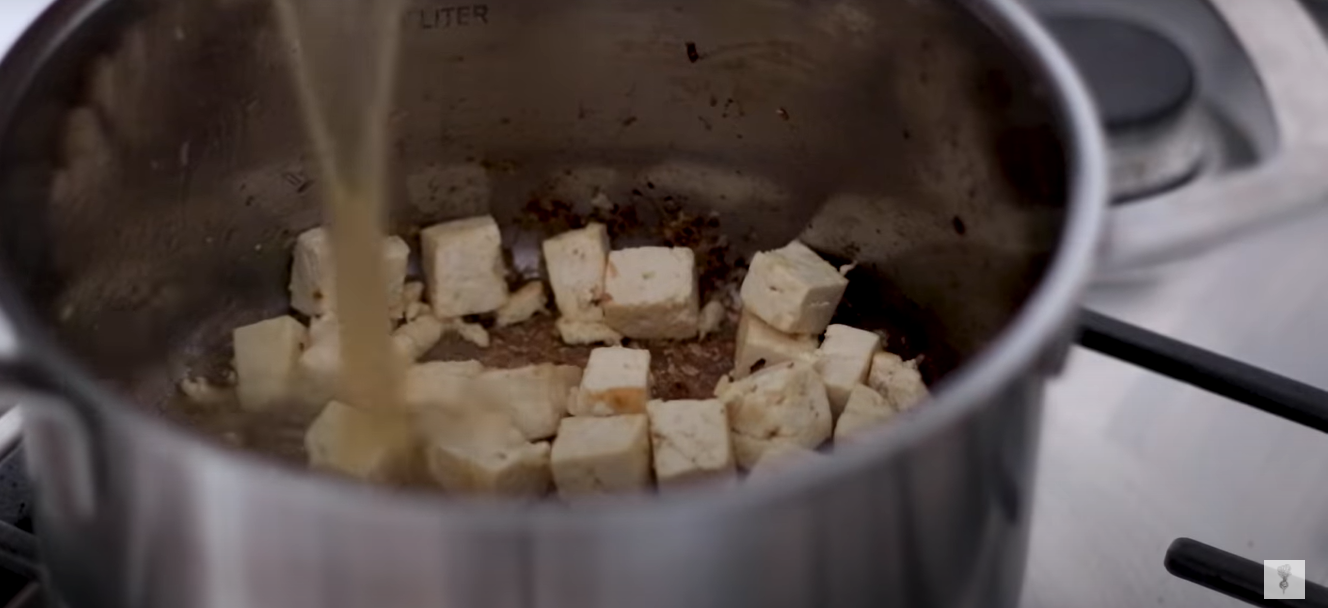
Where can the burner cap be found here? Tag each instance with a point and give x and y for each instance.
(1137, 76)
(1144, 86)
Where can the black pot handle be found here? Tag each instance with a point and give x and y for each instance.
(1231, 575)
(1258, 388)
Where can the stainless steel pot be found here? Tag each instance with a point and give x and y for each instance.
(154, 175)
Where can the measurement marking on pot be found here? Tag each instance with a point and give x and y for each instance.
(446, 17)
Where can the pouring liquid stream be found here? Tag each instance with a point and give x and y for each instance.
(345, 59)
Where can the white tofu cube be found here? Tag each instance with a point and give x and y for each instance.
(523, 304)
(463, 262)
(712, 317)
(441, 384)
(313, 279)
(576, 261)
(320, 366)
(373, 446)
(473, 448)
(601, 455)
(535, 397)
(786, 403)
(267, 356)
(651, 292)
(320, 363)
(415, 338)
(587, 332)
(782, 457)
(866, 408)
(793, 289)
(760, 345)
(324, 329)
(843, 361)
(470, 332)
(517, 471)
(616, 381)
(468, 423)
(899, 381)
(690, 440)
(412, 301)
(722, 385)
(203, 392)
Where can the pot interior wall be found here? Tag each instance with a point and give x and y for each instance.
(155, 171)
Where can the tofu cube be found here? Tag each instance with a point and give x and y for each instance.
(320, 366)
(373, 446)
(320, 363)
(535, 397)
(313, 280)
(475, 449)
(441, 384)
(782, 404)
(866, 408)
(601, 455)
(760, 345)
(690, 440)
(843, 361)
(651, 292)
(202, 391)
(523, 304)
(782, 457)
(463, 262)
(587, 332)
(412, 301)
(898, 381)
(416, 338)
(616, 381)
(711, 318)
(516, 471)
(793, 289)
(467, 424)
(576, 261)
(470, 332)
(267, 356)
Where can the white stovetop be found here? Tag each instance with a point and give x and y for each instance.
(14, 16)
(1131, 460)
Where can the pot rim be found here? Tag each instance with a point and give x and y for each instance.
(1041, 324)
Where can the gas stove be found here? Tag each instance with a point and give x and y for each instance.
(1130, 460)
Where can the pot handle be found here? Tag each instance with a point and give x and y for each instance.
(1258, 388)
(1290, 55)
(58, 435)
(1231, 574)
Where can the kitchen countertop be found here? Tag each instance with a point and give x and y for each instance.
(1131, 460)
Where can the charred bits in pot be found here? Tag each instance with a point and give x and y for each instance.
(701, 234)
(618, 219)
(551, 215)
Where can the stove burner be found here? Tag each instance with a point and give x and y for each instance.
(1145, 89)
